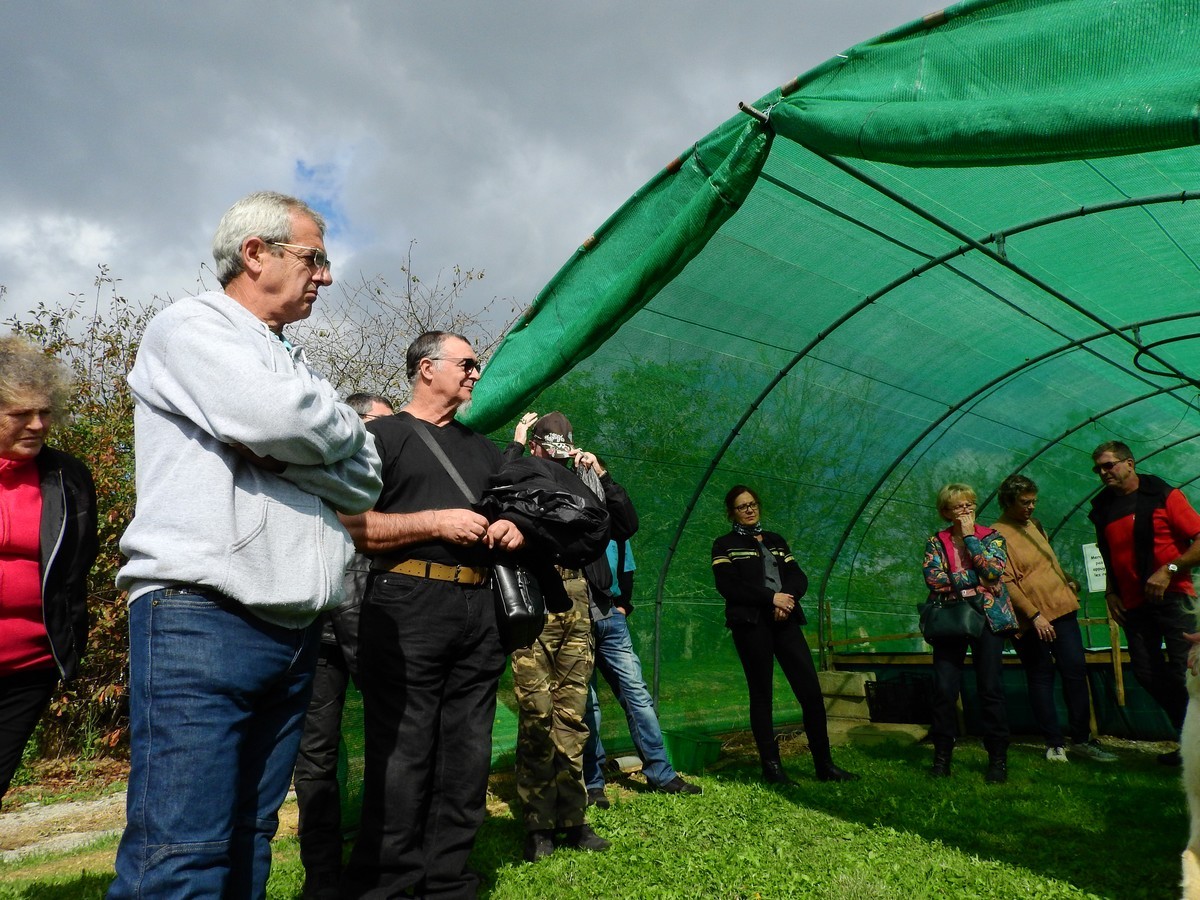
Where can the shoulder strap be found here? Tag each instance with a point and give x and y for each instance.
(945, 540)
(422, 431)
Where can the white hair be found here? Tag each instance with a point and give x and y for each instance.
(264, 214)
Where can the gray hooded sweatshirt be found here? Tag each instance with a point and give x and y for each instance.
(210, 374)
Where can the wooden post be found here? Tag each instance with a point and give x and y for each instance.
(1114, 638)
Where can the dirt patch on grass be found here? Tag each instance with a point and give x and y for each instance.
(69, 805)
(51, 780)
(59, 826)
(64, 804)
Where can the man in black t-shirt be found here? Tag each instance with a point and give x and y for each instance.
(429, 653)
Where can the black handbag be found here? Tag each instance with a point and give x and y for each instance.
(520, 607)
(950, 618)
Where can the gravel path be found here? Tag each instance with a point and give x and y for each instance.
(66, 825)
(57, 827)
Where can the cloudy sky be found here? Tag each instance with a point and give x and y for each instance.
(496, 135)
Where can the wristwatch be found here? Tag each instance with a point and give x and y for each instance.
(1172, 568)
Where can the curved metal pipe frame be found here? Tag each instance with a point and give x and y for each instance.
(1074, 509)
(1031, 459)
(967, 245)
(957, 409)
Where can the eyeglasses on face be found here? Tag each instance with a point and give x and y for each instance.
(746, 507)
(1099, 468)
(319, 260)
(468, 364)
(965, 506)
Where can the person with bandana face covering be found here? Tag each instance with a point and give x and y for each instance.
(551, 676)
(762, 585)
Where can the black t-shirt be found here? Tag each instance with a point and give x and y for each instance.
(415, 480)
(1122, 505)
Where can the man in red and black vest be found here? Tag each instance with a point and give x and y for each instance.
(1147, 533)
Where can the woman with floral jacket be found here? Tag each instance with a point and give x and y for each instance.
(964, 563)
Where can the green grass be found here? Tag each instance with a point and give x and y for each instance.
(1075, 830)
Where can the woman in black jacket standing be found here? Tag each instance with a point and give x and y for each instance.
(47, 545)
(762, 586)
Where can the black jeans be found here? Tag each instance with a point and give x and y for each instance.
(429, 660)
(318, 794)
(949, 658)
(1147, 629)
(23, 698)
(758, 646)
(1040, 659)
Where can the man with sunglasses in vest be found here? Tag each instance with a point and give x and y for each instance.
(1147, 531)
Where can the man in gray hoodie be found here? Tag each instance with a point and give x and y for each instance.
(244, 458)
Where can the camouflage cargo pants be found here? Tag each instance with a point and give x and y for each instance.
(551, 679)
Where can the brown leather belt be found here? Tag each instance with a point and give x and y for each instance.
(421, 568)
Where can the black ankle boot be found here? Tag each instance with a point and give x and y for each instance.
(941, 760)
(538, 845)
(773, 773)
(830, 772)
(581, 837)
(997, 770)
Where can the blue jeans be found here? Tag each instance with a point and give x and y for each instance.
(1040, 659)
(216, 704)
(621, 668)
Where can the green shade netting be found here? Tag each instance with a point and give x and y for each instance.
(956, 251)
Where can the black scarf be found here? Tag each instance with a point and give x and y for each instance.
(1152, 494)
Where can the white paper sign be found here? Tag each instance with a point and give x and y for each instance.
(1093, 565)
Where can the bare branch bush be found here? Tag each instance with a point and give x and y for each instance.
(358, 336)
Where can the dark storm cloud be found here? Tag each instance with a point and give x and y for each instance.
(495, 135)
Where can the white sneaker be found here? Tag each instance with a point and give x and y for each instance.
(1056, 754)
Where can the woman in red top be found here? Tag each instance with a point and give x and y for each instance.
(47, 545)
